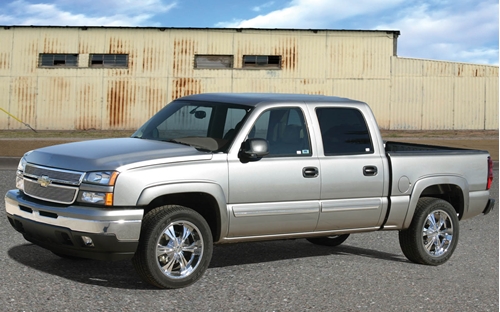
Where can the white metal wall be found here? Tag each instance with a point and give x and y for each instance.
(403, 93)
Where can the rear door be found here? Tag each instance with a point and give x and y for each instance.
(352, 172)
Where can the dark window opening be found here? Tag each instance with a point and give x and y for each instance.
(262, 61)
(58, 60)
(108, 60)
(213, 61)
(344, 131)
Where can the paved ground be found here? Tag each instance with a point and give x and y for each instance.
(367, 273)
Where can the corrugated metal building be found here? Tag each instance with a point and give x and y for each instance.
(66, 78)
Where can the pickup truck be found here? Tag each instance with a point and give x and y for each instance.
(225, 168)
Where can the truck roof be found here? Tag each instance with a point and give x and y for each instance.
(253, 99)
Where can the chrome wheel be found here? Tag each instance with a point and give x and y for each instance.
(437, 233)
(433, 234)
(175, 247)
(179, 249)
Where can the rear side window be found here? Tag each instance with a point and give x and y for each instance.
(344, 131)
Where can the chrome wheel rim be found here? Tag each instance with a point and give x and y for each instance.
(437, 233)
(179, 249)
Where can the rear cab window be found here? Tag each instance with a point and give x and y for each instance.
(344, 131)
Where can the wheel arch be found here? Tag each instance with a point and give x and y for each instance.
(205, 198)
(453, 189)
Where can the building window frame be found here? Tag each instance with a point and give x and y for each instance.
(57, 60)
(107, 60)
(213, 61)
(261, 61)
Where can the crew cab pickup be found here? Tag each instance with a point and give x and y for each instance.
(225, 168)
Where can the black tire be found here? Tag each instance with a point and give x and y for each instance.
(175, 247)
(432, 236)
(332, 241)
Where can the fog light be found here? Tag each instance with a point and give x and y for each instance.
(94, 198)
(87, 241)
(20, 183)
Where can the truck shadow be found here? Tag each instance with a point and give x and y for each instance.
(121, 274)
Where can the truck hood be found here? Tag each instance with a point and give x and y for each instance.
(110, 154)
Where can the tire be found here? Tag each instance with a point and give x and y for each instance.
(432, 236)
(332, 241)
(175, 247)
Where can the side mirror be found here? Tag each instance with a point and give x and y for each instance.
(200, 114)
(253, 149)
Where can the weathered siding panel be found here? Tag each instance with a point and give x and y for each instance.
(5, 120)
(437, 103)
(6, 38)
(469, 103)
(406, 103)
(56, 103)
(23, 102)
(491, 104)
(453, 95)
(403, 93)
(88, 104)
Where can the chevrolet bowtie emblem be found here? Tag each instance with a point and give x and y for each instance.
(44, 181)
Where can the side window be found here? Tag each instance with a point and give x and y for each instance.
(344, 131)
(285, 130)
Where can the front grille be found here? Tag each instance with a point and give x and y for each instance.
(56, 175)
(55, 185)
(53, 192)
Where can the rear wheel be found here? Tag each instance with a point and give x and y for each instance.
(332, 241)
(175, 247)
(433, 233)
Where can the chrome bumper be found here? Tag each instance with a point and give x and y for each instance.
(125, 224)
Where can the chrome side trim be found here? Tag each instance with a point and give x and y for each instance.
(294, 235)
(274, 209)
(350, 204)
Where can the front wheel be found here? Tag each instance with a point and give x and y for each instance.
(175, 247)
(432, 236)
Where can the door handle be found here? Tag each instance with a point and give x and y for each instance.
(370, 171)
(310, 172)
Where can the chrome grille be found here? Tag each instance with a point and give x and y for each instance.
(56, 175)
(50, 184)
(53, 192)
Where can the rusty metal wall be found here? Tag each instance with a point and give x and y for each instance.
(403, 93)
(439, 95)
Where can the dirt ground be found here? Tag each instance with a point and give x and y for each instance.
(16, 143)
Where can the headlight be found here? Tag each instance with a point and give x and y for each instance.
(101, 177)
(20, 171)
(103, 194)
(23, 161)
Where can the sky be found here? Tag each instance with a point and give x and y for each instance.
(449, 30)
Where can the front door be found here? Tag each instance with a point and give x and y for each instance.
(277, 194)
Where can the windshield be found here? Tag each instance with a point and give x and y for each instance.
(205, 125)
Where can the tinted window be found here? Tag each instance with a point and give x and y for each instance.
(201, 120)
(344, 131)
(285, 131)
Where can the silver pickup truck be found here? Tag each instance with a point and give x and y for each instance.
(225, 168)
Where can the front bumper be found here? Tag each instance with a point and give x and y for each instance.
(114, 232)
